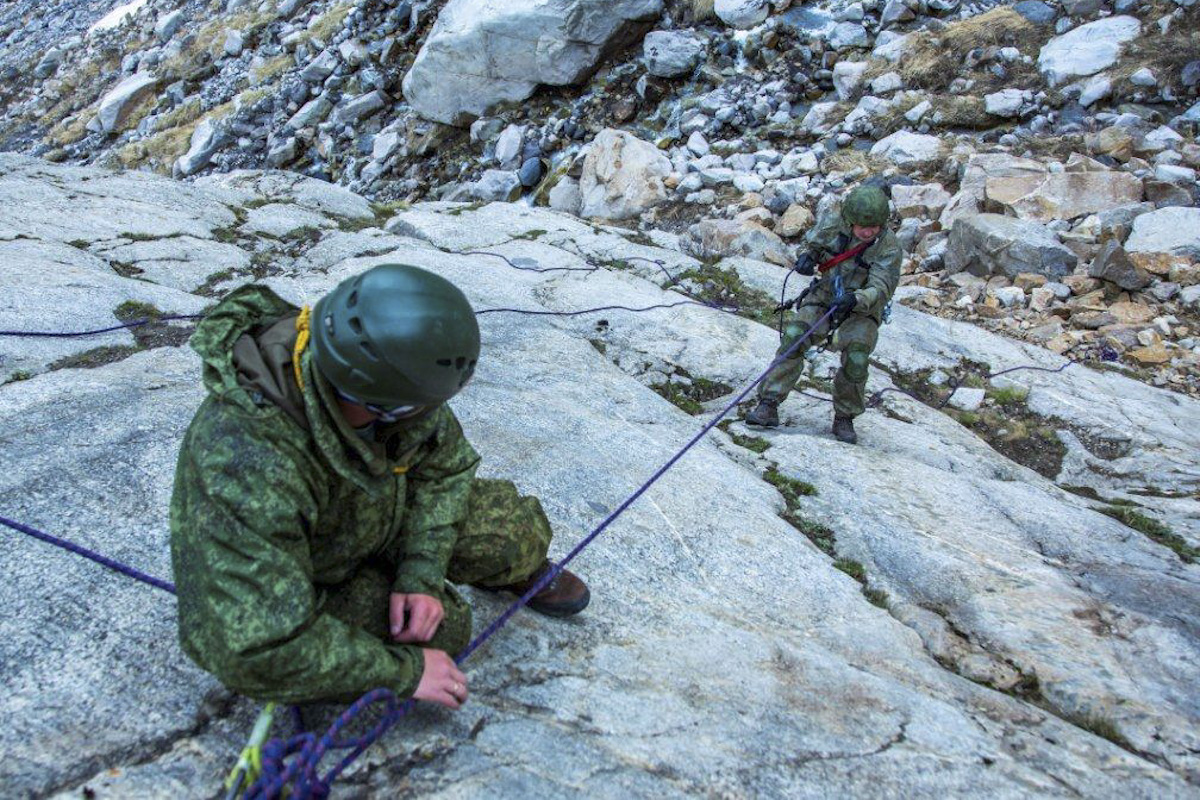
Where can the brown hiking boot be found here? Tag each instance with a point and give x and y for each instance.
(564, 596)
(843, 430)
(764, 415)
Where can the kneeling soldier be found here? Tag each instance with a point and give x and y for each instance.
(325, 496)
(859, 261)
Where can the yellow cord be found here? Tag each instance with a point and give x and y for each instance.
(301, 342)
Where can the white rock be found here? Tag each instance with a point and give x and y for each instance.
(887, 83)
(741, 13)
(1173, 230)
(116, 106)
(1005, 103)
(1087, 49)
(565, 196)
(508, 147)
(168, 24)
(848, 34)
(925, 200)
(622, 176)
(209, 136)
(697, 144)
(966, 398)
(918, 111)
(847, 77)
(1172, 173)
(1143, 77)
(1096, 88)
(234, 43)
(670, 54)
(905, 149)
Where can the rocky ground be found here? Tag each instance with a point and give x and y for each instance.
(996, 592)
(782, 616)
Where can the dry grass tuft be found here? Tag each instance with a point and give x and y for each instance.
(272, 69)
(330, 22)
(703, 9)
(933, 60)
(850, 160)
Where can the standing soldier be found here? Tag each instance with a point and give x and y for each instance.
(859, 263)
(325, 497)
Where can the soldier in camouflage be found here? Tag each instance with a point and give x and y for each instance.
(867, 280)
(325, 497)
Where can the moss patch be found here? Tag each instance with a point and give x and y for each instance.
(690, 396)
(1125, 513)
(754, 444)
(725, 287)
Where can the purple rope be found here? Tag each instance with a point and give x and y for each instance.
(135, 324)
(302, 769)
(124, 569)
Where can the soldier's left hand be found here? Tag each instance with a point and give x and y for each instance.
(415, 617)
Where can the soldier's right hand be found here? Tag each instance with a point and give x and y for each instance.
(442, 682)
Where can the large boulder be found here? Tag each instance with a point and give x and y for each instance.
(482, 54)
(722, 238)
(622, 176)
(1112, 264)
(1087, 49)
(905, 149)
(118, 104)
(991, 244)
(1063, 195)
(972, 187)
(1175, 231)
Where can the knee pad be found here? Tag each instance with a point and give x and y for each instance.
(856, 362)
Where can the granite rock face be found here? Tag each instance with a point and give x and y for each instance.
(723, 650)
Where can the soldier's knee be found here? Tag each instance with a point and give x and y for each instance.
(856, 362)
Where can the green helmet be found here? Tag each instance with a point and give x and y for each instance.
(395, 335)
(867, 206)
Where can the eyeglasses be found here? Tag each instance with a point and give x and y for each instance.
(384, 415)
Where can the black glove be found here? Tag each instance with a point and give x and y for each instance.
(846, 303)
(805, 265)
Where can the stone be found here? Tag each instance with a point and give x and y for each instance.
(320, 68)
(895, 12)
(1113, 265)
(1087, 49)
(991, 244)
(497, 185)
(1036, 12)
(741, 13)
(887, 83)
(721, 238)
(565, 196)
(208, 137)
(622, 176)
(509, 146)
(49, 63)
(282, 153)
(1011, 296)
(311, 113)
(1114, 141)
(1189, 76)
(168, 24)
(918, 112)
(697, 144)
(907, 149)
(848, 77)
(1161, 138)
(919, 200)
(235, 42)
(119, 103)
(477, 56)
(846, 35)
(1175, 231)
(966, 398)
(795, 221)
(1004, 103)
(671, 54)
(1063, 195)
(1144, 77)
(1171, 173)
(356, 108)
(1150, 356)
(530, 172)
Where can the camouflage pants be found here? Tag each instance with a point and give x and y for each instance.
(503, 540)
(855, 340)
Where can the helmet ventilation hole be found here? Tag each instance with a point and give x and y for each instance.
(369, 350)
(444, 362)
(356, 325)
(352, 301)
(460, 363)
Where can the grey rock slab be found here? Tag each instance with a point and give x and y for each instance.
(280, 220)
(290, 187)
(178, 262)
(84, 204)
(50, 286)
(120, 101)
(1168, 230)
(670, 54)
(478, 56)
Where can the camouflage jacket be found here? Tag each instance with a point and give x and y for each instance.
(276, 496)
(873, 274)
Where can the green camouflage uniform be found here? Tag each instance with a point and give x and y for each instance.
(289, 531)
(873, 275)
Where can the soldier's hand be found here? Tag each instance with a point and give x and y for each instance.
(415, 617)
(805, 265)
(442, 682)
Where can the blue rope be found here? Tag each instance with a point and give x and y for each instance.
(124, 569)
